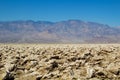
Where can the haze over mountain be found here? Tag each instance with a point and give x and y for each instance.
(71, 31)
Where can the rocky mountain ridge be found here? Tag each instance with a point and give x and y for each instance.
(71, 31)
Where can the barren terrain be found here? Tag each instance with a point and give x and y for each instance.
(59, 62)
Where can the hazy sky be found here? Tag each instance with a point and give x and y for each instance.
(102, 11)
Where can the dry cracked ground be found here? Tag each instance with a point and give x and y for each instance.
(59, 62)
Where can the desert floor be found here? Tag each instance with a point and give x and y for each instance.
(59, 61)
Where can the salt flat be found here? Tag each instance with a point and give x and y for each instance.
(59, 61)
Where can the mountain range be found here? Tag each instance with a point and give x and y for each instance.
(70, 31)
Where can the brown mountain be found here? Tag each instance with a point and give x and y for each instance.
(71, 31)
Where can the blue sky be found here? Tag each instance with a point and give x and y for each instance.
(102, 11)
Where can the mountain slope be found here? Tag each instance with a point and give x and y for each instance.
(71, 31)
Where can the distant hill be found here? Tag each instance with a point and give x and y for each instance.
(71, 31)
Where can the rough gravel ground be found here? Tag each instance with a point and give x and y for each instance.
(59, 62)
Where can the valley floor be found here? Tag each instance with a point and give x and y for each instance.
(59, 61)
